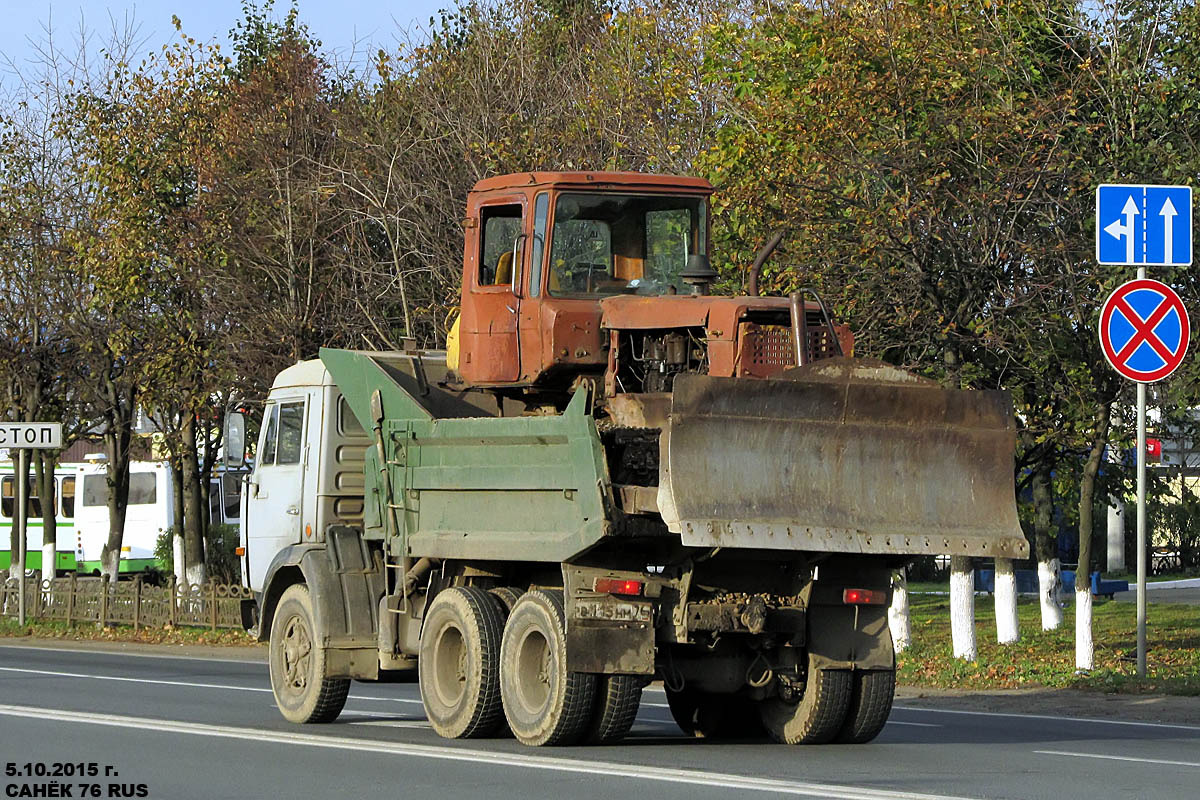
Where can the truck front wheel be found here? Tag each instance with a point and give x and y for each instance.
(545, 703)
(303, 691)
(460, 663)
(818, 716)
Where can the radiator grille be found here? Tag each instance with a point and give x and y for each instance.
(767, 350)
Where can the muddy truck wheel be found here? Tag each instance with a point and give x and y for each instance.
(507, 595)
(818, 716)
(544, 702)
(617, 700)
(459, 663)
(714, 716)
(870, 705)
(303, 691)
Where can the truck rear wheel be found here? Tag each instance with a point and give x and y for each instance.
(714, 716)
(870, 705)
(544, 702)
(817, 718)
(302, 690)
(616, 707)
(459, 663)
(507, 595)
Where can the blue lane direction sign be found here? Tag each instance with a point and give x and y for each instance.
(1144, 225)
(1144, 330)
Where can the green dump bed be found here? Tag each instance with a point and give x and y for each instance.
(462, 481)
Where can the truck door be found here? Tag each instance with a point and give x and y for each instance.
(493, 272)
(276, 491)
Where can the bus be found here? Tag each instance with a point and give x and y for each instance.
(150, 512)
(65, 482)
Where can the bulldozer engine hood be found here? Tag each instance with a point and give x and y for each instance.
(719, 316)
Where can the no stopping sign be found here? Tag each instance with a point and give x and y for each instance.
(1144, 330)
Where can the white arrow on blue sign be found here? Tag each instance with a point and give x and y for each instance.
(1144, 225)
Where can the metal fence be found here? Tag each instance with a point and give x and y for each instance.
(131, 602)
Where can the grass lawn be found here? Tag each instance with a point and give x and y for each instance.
(1047, 658)
(125, 633)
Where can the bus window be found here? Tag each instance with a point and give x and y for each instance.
(143, 489)
(95, 490)
(68, 497)
(232, 485)
(35, 502)
(7, 503)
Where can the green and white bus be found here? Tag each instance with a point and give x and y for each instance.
(150, 512)
(66, 541)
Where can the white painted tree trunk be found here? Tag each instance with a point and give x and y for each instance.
(1007, 630)
(1084, 647)
(962, 607)
(1049, 589)
(110, 566)
(1116, 535)
(49, 561)
(196, 574)
(898, 616)
(177, 559)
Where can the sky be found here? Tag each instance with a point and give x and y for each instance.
(342, 25)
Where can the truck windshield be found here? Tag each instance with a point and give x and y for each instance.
(605, 244)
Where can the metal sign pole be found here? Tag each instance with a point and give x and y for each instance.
(22, 525)
(1141, 522)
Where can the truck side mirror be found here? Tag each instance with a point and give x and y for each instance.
(235, 440)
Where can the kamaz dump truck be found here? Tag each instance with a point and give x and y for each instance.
(611, 477)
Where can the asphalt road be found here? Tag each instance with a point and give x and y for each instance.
(169, 727)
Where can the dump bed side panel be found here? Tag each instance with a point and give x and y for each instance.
(464, 483)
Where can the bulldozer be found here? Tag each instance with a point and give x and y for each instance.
(610, 477)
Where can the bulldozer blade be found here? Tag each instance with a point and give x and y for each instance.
(841, 455)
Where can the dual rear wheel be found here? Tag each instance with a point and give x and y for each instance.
(835, 706)
(479, 670)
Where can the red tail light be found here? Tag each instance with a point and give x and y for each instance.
(617, 586)
(863, 597)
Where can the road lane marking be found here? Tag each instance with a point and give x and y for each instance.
(447, 753)
(390, 723)
(1119, 758)
(224, 686)
(186, 684)
(70, 647)
(124, 679)
(915, 724)
(1168, 726)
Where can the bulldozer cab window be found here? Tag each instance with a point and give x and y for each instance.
(608, 244)
(501, 226)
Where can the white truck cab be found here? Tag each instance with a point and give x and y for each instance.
(308, 469)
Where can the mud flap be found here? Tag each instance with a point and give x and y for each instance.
(850, 637)
(842, 455)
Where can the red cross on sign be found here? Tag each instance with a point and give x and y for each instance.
(1144, 330)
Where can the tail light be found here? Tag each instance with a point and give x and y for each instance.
(617, 586)
(863, 597)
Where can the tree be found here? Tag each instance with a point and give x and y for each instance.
(915, 151)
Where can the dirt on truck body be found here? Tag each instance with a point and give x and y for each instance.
(611, 477)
